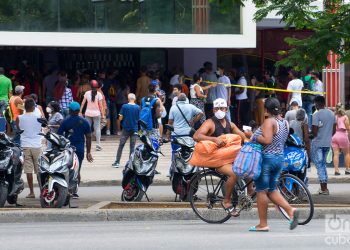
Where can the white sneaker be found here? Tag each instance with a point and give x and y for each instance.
(108, 132)
(98, 148)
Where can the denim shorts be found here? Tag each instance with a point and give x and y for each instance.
(271, 169)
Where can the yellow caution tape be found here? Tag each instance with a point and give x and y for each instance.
(266, 88)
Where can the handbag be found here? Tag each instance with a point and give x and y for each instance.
(193, 131)
(248, 162)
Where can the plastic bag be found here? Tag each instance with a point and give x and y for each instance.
(208, 154)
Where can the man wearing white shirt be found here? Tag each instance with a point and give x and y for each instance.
(30, 142)
(318, 85)
(295, 85)
(242, 104)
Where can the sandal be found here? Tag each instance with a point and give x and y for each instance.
(293, 223)
(254, 229)
(230, 210)
(30, 196)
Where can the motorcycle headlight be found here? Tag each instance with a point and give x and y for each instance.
(44, 165)
(182, 165)
(58, 166)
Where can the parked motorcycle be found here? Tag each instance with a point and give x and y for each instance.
(181, 171)
(296, 160)
(140, 170)
(11, 163)
(58, 171)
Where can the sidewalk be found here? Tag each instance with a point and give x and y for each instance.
(100, 171)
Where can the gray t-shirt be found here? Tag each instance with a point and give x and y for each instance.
(55, 119)
(212, 91)
(180, 125)
(324, 119)
(292, 114)
(297, 127)
(222, 87)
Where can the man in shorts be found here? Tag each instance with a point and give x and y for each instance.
(30, 142)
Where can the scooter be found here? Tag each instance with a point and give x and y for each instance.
(58, 171)
(296, 160)
(140, 170)
(11, 164)
(181, 171)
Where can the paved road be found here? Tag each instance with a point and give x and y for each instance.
(340, 194)
(163, 235)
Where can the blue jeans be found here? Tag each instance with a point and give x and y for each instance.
(271, 169)
(308, 109)
(319, 156)
(17, 137)
(3, 105)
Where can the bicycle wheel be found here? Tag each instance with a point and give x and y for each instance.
(298, 195)
(206, 195)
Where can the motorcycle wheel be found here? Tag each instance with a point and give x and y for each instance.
(12, 199)
(136, 195)
(58, 201)
(3, 194)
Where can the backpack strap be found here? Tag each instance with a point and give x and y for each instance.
(154, 100)
(183, 115)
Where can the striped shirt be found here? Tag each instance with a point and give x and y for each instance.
(66, 99)
(278, 140)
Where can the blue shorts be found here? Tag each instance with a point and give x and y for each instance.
(271, 169)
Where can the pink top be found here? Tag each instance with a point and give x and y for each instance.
(341, 124)
(92, 109)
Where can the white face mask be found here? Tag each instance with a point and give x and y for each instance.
(220, 114)
(48, 110)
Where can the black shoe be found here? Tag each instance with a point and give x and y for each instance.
(156, 172)
(347, 172)
(75, 196)
(116, 164)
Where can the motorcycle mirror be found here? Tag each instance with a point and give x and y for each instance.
(43, 122)
(18, 132)
(170, 127)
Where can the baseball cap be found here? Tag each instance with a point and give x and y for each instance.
(94, 84)
(220, 103)
(154, 82)
(74, 106)
(19, 89)
(13, 72)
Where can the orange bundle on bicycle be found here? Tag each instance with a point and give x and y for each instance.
(208, 154)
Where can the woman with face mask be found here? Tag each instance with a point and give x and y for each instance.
(210, 130)
(55, 117)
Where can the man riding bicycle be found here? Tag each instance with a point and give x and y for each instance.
(210, 130)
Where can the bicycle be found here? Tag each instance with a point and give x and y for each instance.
(207, 205)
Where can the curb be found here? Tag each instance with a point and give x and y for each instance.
(340, 180)
(157, 214)
(168, 182)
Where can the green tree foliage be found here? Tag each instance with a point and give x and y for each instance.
(330, 26)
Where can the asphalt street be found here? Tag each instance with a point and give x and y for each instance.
(165, 235)
(340, 194)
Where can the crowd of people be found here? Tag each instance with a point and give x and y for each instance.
(104, 103)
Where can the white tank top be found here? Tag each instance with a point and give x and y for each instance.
(30, 138)
(36, 112)
(193, 91)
